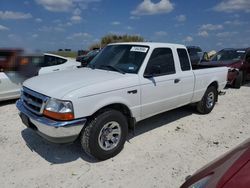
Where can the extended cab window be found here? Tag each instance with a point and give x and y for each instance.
(184, 61)
(161, 62)
(52, 60)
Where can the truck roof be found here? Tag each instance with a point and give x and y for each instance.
(151, 44)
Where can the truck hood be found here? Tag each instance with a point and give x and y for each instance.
(59, 84)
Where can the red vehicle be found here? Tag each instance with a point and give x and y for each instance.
(232, 170)
(238, 62)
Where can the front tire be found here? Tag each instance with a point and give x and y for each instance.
(208, 101)
(105, 135)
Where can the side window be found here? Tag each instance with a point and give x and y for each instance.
(161, 62)
(184, 61)
(60, 60)
(52, 60)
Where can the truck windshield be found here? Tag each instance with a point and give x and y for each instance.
(229, 55)
(122, 58)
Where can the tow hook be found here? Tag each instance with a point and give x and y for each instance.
(222, 92)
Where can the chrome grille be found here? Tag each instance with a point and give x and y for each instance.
(33, 101)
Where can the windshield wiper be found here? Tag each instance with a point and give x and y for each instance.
(113, 68)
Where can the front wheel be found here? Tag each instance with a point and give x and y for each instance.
(208, 101)
(105, 135)
(239, 80)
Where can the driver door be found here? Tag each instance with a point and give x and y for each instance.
(160, 85)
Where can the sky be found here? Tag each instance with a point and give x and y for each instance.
(45, 25)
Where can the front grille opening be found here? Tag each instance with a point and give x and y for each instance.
(32, 107)
(33, 98)
(33, 101)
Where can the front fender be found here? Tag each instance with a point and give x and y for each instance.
(87, 106)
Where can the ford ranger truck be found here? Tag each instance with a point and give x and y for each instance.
(124, 84)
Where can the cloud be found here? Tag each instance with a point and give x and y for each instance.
(233, 6)
(77, 11)
(80, 36)
(161, 33)
(56, 5)
(129, 28)
(15, 37)
(10, 15)
(203, 34)
(64, 5)
(211, 27)
(235, 22)
(226, 34)
(134, 18)
(76, 18)
(3, 28)
(51, 28)
(147, 7)
(34, 35)
(219, 44)
(115, 23)
(188, 39)
(38, 20)
(181, 18)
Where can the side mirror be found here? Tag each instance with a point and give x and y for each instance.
(148, 75)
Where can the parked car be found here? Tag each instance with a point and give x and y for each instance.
(124, 84)
(9, 80)
(231, 170)
(238, 62)
(85, 59)
(27, 66)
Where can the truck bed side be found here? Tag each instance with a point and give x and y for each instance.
(204, 77)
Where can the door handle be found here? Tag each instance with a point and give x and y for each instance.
(177, 80)
(56, 69)
(132, 91)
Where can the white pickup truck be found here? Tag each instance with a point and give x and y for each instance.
(125, 83)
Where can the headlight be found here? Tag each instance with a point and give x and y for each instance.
(201, 183)
(58, 109)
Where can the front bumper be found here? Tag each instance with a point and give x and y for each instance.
(51, 130)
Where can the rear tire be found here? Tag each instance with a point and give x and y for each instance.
(105, 135)
(208, 101)
(238, 80)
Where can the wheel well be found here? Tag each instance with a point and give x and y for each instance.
(215, 84)
(121, 108)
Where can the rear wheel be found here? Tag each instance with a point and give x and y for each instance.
(238, 81)
(208, 101)
(105, 135)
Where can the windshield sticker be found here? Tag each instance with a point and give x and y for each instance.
(241, 51)
(139, 49)
(131, 68)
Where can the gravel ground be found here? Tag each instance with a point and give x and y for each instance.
(164, 150)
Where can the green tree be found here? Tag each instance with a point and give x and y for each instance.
(112, 38)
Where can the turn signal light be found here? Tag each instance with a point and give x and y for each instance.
(59, 116)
